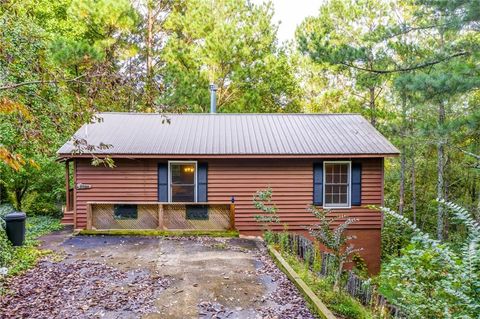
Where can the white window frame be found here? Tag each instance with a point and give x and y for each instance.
(349, 188)
(170, 179)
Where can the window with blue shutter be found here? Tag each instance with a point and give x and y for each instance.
(318, 184)
(183, 181)
(336, 184)
(356, 184)
(163, 182)
(202, 183)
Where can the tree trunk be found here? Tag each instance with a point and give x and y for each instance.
(338, 275)
(440, 170)
(414, 191)
(148, 53)
(403, 157)
(19, 194)
(478, 206)
(372, 105)
(403, 160)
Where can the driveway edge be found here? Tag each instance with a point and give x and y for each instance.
(322, 310)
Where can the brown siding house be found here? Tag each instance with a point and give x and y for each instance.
(331, 161)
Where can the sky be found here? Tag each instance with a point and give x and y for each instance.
(291, 13)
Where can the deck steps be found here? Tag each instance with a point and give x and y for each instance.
(68, 218)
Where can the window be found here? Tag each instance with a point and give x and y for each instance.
(337, 184)
(125, 211)
(183, 181)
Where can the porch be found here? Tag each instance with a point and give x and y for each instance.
(68, 210)
(160, 215)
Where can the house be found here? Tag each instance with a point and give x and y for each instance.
(200, 171)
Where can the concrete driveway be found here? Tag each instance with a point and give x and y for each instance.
(175, 278)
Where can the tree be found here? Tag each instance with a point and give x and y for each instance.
(36, 102)
(433, 280)
(334, 239)
(343, 36)
(232, 44)
(424, 53)
(262, 200)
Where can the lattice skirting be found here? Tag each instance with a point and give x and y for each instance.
(160, 216)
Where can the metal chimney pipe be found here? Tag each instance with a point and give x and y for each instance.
(213, 98)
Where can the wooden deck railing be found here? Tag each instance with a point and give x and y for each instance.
(165, 216)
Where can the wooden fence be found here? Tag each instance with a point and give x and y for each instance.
(359, 288)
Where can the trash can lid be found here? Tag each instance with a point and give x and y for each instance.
(15, 216)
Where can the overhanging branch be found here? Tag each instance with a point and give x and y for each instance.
(17, 85)
(411, 68)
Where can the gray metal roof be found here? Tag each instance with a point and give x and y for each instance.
(234, 134)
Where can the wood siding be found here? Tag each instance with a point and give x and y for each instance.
(292, 185)
(291, 181)
(129, 181)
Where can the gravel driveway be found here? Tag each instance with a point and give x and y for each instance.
(142, 277)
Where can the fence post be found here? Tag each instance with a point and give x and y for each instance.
(232, 216)
(160, 216)
(89, 216)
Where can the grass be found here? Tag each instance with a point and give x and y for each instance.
(19, 259)
(315, 309)
(340, 303)
(160, 233)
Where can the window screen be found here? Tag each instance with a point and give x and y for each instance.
(337, 185)
(182, 182)
(125, 211)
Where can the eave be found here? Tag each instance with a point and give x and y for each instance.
(226, 156)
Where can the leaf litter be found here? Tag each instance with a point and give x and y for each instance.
(83, 289)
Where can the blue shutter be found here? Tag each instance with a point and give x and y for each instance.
(318, 184)
(356, 199)
(202, 181)
(163, 182)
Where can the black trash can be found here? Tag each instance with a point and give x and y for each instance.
(15, 227)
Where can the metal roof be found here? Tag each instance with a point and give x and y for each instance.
(234, 134)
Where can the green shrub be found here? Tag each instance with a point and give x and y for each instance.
(269, 237)
(4, 210)
(42, 208)
(338, 302)
(40, 225)
(283, 240)
(359, 266)
(432, 280)
(6, 249)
